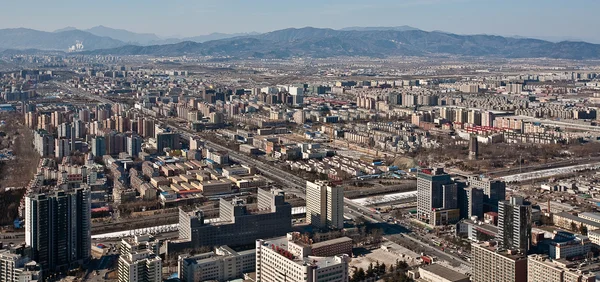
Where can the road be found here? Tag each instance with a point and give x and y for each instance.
(296, 184)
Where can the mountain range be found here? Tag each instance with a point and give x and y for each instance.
(297, 42)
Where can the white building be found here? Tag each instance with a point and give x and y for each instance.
(16, 268)
(324, 205)
(591, 216)
(223, 264)
(594, 237)
(138, 261)
(578, 246)
(276, 262)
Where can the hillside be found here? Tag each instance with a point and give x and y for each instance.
(318, 42)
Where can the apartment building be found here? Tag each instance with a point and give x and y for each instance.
(492, 264)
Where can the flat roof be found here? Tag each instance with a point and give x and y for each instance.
(593, 215)
(578, 219)
(331, 242)
(445, 272)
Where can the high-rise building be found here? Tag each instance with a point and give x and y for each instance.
(149, 128)
(473, 148)
(58, 228)
(435, 190)
(167, 140)
(84, 115)
(31, 119)
(493, 191)
(138, 260)
(223, 264)
(79, 128)
(43, 143)
(64, 130)
(276, 260)
(134, 145)
(62, 148)
(473, 203)
(540, 268)
(487, 118)
(57, 118)
(492, 264)
(514, 224)
(196, 143)
(99, 146)
(122, 124)
(324, 205)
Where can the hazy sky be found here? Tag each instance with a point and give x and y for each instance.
(542, 18)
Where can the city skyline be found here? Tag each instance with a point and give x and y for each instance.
(550, 20)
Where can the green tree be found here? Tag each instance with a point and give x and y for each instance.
(582, 229)
(382, 268)
(370, 271)
(359, 275)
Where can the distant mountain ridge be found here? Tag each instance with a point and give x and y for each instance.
(124, 35)
(319, 42)
(23, 38)
(307, 42)
(372, 28)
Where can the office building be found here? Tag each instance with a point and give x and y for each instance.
(492, 264)
(223, 264)
(435, 192)
(324, 205)
(473, 203)
(58, 228)
(541, 268)
(493, 190)
(138, 260)
(134, 145)
(277, 261)
(236, 225)
(17, 268)
(514, 224)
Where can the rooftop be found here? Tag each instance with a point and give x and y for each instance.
(332, 241)
(447, 273)
(593, 215)
(505, 253)
(578, 219)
